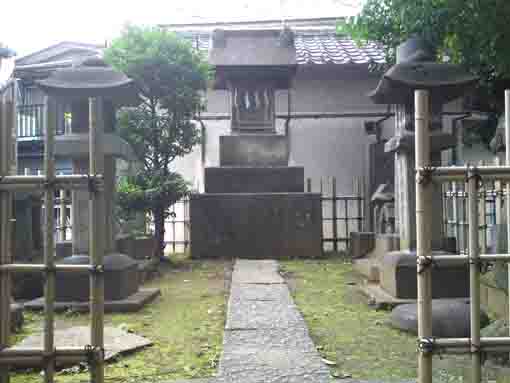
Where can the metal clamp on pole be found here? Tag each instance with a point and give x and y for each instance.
(427, 346)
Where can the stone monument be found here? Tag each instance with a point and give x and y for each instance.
(254, 205)
(416, 68)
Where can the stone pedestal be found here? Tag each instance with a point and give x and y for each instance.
(121, 279)
(256, 225)
(398, 277)
(254, 205)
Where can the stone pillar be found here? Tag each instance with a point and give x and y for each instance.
(405, 192)
(80, 207)
(401, 145)
(109, 196)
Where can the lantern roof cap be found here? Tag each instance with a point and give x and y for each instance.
(91, 77)
(416, 69)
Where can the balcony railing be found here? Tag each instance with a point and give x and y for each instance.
(31, 121)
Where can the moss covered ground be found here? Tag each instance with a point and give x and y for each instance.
(356, 338)
(186, 325)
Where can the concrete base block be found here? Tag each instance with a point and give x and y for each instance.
(256, 225)
(398, 277)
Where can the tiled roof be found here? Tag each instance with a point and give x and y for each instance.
(328, 48)
(320, 48)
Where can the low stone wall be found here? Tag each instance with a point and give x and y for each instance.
(256, 225)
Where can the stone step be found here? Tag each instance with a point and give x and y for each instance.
(279, 179)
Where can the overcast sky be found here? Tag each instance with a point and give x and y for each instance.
(30, 25)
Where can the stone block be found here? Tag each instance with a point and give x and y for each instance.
(450, 318)
(121, 279)
(139, 248)
(398, 277)
(361, 244)
(230, 179)
(258, 225)
(254, 150)
(63, 249)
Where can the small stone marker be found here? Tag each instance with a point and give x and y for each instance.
(116, 340)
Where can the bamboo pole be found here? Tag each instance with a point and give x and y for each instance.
(507, 198)
(5, 299)
(96, 226)
(423, 232)
(49, 237)
(458, 173)
(474, 274)
(482, 216)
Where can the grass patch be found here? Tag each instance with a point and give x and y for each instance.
(186, 325)
(344, 328)
(357, 338)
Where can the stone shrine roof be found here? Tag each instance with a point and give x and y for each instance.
(316, 47)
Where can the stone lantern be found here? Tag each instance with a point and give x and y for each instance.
(91, 78)
(416, 69)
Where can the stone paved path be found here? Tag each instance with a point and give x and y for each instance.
(266, 339)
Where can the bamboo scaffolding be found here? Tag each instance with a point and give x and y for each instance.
(424, 230)
(96, 225)
(475, 345)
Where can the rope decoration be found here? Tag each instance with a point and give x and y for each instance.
(424, 175)
(426, 262)
(96, 269)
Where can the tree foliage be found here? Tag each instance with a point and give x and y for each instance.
(170, 77)
(473, 33)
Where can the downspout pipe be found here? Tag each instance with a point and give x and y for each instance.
(287, 124)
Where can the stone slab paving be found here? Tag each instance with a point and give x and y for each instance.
(116, 340)
(266, 339)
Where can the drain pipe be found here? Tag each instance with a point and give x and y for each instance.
(287, 123)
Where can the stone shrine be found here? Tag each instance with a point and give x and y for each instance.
(254, 205)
